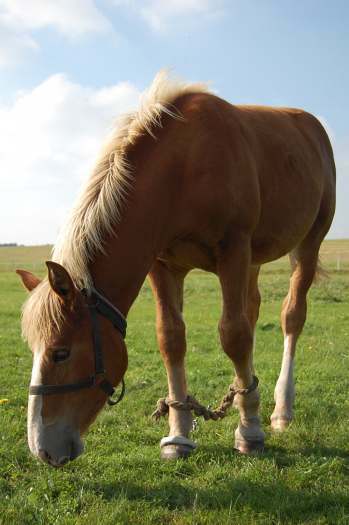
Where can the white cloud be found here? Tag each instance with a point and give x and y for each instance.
(14, 46)
(49, 138)
(161, 14)
(19, 19)
(70, 18)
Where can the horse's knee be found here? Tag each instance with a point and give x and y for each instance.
(236, 337)
(171, 326)
(171, 336)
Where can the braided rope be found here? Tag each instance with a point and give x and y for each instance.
(164, 404)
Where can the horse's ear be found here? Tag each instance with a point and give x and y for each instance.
(29, 280)
(60, 281)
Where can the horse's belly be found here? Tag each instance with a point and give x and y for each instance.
(188, 254)
(279, 238)
(268, 249)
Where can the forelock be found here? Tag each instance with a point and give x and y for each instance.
(42, 315)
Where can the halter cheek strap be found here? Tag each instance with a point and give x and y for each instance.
(103, 307)
(107, 309)
(97, 304)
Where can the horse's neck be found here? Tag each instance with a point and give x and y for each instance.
(130, 253)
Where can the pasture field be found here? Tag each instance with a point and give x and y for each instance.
(301, 478)
(334, 256)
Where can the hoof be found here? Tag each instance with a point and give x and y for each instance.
(175, 452)
(280, 424)
(175, 447)
(249, 447)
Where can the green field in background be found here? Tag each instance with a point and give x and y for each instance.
(332, 253)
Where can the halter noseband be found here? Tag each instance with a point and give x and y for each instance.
(97, 305)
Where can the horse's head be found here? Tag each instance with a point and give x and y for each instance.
(73, 339)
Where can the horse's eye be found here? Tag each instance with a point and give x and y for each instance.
(61, 354)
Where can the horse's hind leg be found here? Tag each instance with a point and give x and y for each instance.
(167, 286)
(236, 332)
(304, 263)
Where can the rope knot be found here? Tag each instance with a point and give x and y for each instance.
(162, 409)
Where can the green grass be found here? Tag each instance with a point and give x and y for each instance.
(26, 257)
(303, 476)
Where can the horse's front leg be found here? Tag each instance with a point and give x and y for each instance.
(167, 286)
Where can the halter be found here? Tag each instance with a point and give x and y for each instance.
(98, 305)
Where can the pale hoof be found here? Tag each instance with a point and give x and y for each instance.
(249, 447)
(280, 424)
(175, 452)
(175, 447)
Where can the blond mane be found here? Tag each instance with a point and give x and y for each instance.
(100, 204)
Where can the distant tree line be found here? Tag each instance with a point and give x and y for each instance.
(7, 244)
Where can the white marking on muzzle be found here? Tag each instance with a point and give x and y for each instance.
(35, 424)
(57, 440)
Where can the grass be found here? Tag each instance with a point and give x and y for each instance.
(303, 476)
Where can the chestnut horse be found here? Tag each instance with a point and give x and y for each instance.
(188, 181)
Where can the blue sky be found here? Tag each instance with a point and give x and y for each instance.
(68, 68)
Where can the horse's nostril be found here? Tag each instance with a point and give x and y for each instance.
(44, 456)
(71, 451)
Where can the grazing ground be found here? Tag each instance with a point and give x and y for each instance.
(303, 476)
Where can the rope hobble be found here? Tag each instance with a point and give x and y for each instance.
(164, 404)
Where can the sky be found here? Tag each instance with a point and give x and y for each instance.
(68, 68)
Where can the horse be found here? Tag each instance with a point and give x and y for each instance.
(187, 181)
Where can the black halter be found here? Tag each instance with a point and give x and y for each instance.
(97, 305)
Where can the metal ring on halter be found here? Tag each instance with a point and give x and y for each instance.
(112, 401)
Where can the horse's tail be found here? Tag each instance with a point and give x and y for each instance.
(320, 273)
